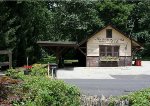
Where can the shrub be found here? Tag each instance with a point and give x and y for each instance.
(42, 91)
(39, 70)
(138, 98)
(15, 74)
(50, 59)
(36, 70)
(38, 90)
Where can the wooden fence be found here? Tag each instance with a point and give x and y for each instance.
(9, 53)
(102, 101)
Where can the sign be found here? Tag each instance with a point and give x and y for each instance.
(109, 40)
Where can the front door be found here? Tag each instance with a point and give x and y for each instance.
(108, 55)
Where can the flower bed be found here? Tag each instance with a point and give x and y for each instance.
(109, 58)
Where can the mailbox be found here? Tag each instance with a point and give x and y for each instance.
(53, 65)
(53, 68)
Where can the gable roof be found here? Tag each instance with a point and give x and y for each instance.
(134, 41)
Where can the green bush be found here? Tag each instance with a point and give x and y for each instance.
(50, 59)
(14, 73)
(38, 90)
(138, 98)
(38, 70)
(41, 91)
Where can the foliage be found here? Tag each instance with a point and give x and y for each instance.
(115, 12)
(138, 98)
(23, 28)
(38, 70)
(145, 53)
(6, 89)
(12, 73)
(41, 91)
(23, 23)
(38, 90)
(45, 60)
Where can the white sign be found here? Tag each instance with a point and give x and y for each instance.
(109, 40)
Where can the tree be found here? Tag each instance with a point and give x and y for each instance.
(23, 23)
(73, 20)
(115, 12)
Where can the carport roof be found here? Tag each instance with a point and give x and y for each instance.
(57, 43)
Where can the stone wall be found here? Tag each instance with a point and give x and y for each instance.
(125, 61)
(92, 61)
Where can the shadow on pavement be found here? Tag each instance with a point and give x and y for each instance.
(66, 69)
(132, 77)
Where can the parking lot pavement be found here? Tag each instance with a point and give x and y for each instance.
(107, 80)
(121, 85)
(102, 72)
(81, 74)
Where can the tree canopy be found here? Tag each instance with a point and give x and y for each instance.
(23, 23)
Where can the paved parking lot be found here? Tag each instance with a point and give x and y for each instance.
(107, 80)
(121, 85)
(102, 72)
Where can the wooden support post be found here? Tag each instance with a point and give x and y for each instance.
(48, 70)
(82, 51)
(57, 55)
(10, 59)
(52, 72)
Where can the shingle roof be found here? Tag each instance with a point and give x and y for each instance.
(57, 43)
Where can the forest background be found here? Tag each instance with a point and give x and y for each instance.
(23, 23)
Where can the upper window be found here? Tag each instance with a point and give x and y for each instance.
(108, 33)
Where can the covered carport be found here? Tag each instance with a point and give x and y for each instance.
(59, 48)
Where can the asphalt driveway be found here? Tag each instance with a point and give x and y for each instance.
(121, 85)
(107, 80)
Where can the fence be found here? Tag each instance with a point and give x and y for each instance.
(9, 53)
(102, 101)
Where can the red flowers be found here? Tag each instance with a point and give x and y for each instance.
(27, 67)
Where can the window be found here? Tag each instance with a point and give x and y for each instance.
(116, 49)
(102, 50)
(106, 50)
(108, 33)
(112, 55)
(109, 50)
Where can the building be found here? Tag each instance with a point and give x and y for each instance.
(109, 47)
